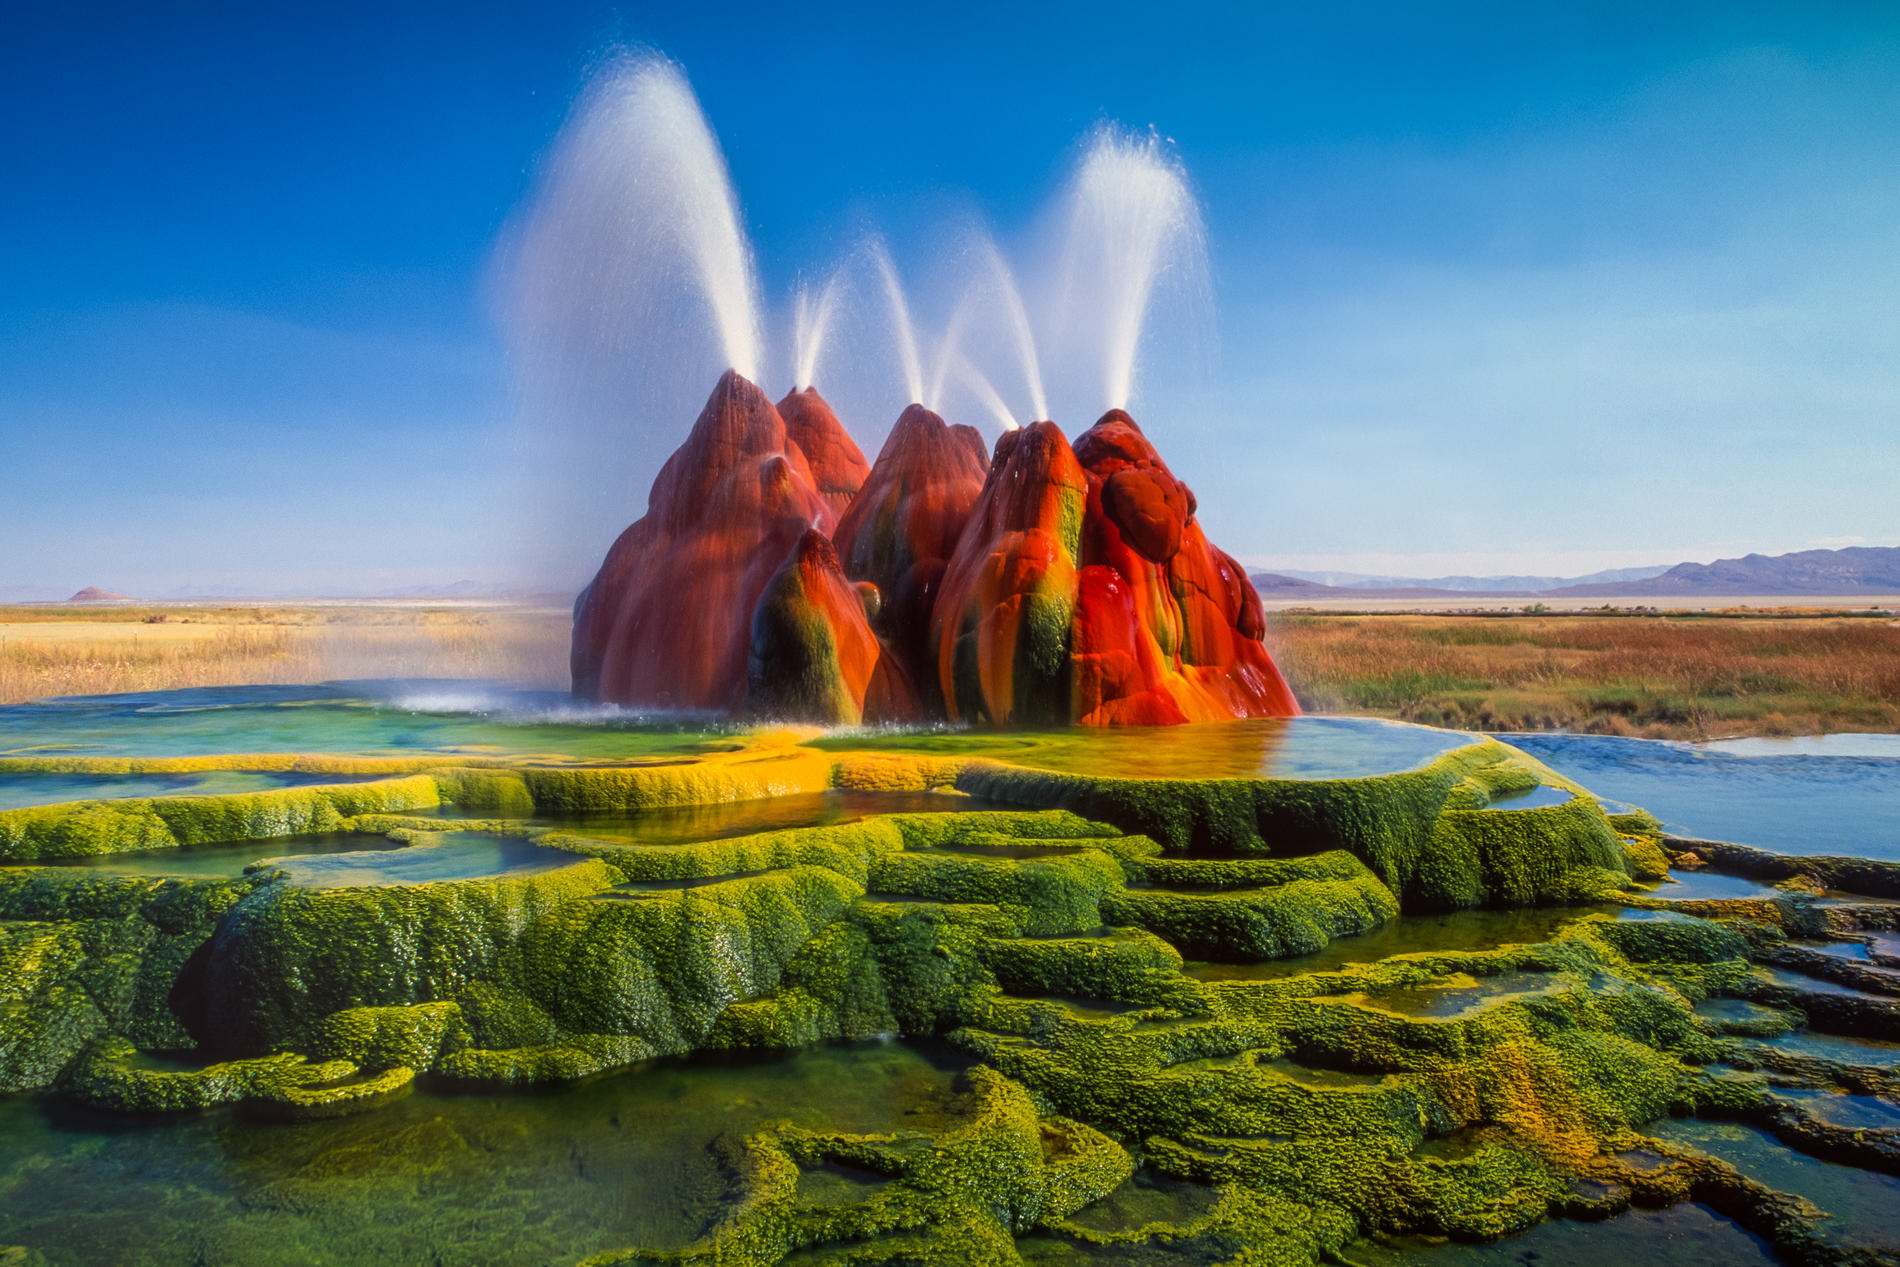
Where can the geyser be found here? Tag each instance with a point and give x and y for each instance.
(902, 328)
(776, 571)
(1130, 219)
(635, 201)
(811, 321)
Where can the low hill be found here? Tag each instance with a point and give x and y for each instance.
(93, 594)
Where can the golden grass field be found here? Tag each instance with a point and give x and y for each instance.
(1678, 676)
(56, 649)
(1672, 675)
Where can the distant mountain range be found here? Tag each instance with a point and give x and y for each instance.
(1851, 571)
(1471, 584)
(1855, 570)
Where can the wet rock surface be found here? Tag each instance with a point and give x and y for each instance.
(1038, 584)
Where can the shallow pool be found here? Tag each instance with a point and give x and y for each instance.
(1861, 1202)
(1455, 931)
(215, 862)
(379, 717)
(550, 1176)
(1708, 885)
(1280, 748)
(34, 788)
(449, 855)
(1539, 797)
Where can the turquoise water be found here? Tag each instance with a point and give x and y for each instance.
(550, 1176)
(347, 717)
(1533, 798)
(1815, 803)
(225, 861)
(452, 855)
(1706, 885)
(18, 789)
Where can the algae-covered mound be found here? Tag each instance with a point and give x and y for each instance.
(1175, 1054)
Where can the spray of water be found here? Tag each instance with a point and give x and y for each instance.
(811, 321)
(985, 391)
(905, 331)
(1011, 297)
(949, 349)
(1131, 218)
(624, 285)
(634, 207)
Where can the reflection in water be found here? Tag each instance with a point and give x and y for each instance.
(348, 717)
(1839, 1048)
(1855, 1112)
(449, 855)
(1286, 748)
(551, 1176)
(1790, 804)
(201, 862)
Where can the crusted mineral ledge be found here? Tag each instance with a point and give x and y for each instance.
(1121, 957)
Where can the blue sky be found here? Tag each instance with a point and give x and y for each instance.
(1495, 290)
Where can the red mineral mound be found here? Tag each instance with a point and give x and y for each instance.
(1000, 632)
(1052, 584)
(837, 464)
(812, 653)
(667, 620)
(1167, 626)
(905, 521)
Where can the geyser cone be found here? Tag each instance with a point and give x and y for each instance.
(813, 654)
(667, 620)
(1168, 628)
(837, 464)
(903, 526)
(1000, 632)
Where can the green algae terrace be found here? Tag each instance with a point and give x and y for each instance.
(479, 989)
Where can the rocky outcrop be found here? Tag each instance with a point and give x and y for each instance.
(667, 621)
(904, 525)
(812, 653)
(1002, 625)
(1167, 628)
(773, 573)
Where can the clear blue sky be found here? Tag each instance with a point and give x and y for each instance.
(1497, 289)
